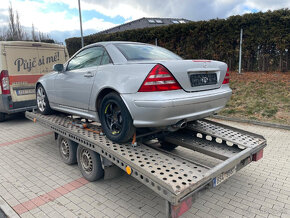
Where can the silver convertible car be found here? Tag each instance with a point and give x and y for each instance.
(129, 85)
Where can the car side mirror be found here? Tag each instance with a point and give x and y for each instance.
(58, 67)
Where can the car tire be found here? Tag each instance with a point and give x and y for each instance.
(90, 164)
(67, 150)
(115, 118)
(2, 117)
(167, 146)
(42, 101)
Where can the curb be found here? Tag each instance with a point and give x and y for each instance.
(8, 211)
(273, 125)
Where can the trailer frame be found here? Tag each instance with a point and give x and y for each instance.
(174, 177)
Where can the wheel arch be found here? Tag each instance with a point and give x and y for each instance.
(37, 84)
(103, 93)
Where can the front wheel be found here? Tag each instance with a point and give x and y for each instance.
(42, 101)
(115, 118)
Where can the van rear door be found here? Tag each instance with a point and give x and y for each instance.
(26, 63)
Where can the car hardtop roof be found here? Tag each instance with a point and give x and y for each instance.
(105, 43)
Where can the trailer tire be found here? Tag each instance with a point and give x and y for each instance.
(90, 164)
(167, 146)
(2, 117)
(67, 150)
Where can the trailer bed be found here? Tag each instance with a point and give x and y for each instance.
(174, 176)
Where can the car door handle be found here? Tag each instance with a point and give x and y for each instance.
(89, 74)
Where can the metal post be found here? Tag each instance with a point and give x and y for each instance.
(81, 23)
(240, 56)
(156, 43)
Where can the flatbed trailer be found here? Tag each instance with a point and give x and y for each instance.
(210, 153)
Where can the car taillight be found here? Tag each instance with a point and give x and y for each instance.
(258, 155)
(4, 82)
(159, 79)
(227, 77)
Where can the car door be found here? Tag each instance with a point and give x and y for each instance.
(73, 86)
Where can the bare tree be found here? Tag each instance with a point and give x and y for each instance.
(33, 34)
(15, 31)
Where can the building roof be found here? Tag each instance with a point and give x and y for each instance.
(144, 22)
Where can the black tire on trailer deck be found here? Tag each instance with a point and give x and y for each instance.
(67, 150)
(90, 164)
(42, 101)
(167, 146)
(115, 118)
(2, 117)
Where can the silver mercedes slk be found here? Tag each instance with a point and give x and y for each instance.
(129, 85)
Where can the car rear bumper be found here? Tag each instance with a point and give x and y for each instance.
(162, 109)
(8, 106)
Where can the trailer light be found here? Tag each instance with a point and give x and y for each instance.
(128, 170)
(258, 155)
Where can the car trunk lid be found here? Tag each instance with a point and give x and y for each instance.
(194, 75)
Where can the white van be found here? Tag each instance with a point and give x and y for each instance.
(21, 65)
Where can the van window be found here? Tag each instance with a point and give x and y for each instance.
(89, 57)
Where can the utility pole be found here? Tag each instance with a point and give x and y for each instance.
(240, 56)
(81, 23)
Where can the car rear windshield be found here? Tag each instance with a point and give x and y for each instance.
(134, 52)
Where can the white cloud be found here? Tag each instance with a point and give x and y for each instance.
(52, 22)
(32, 12)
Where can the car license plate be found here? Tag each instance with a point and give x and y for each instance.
(224, 176)
(25, 91)
(203, 79)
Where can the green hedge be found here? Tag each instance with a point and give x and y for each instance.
(265, 40)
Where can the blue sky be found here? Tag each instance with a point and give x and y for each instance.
(59, 18)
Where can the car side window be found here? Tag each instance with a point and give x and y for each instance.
(89, 57)
(106, 59)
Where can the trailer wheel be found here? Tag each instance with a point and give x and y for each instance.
(2, 117)
(67, 150)
(167, 146)
(90, 164)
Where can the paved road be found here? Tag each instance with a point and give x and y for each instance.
(35, 183)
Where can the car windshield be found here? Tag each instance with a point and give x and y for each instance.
(134, 52)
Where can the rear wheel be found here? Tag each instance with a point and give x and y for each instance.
(90, 164)
(115, 118)
(42, 101)
(2, 117)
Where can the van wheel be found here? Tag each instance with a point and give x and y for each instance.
(67, 150)
(2, 117)
(42, 101)
(115, 118)
(90, 164)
